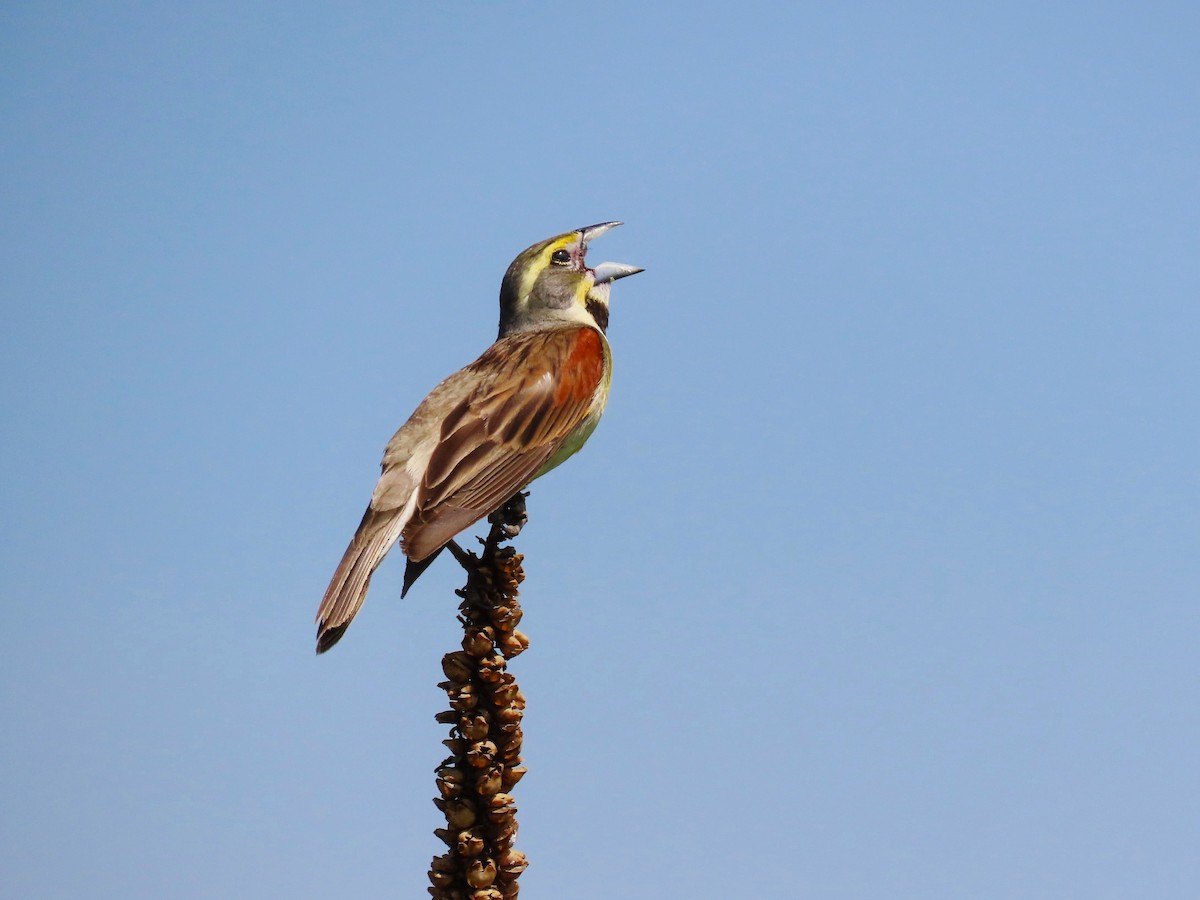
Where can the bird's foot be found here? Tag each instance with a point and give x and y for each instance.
(508, 520)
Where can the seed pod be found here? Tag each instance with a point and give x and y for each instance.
(460, 813)
(481, 873)
(479, 641)
(475, 728)
(511, 864)
(512, 746)
(513, 643)
(470, 843)
(510, 776)
(448, 791)
(490, 781)
(442, 879)
(450, 782)
(464, 697)
(501, 815)
(504, 834)
(508, 718)
(491, 667)
(504, 694)
(481, 754)
(458, 666)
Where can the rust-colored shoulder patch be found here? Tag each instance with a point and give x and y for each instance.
(583, 367)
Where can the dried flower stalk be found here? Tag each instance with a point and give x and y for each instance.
(486, 708)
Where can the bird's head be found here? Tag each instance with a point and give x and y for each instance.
(550, 283)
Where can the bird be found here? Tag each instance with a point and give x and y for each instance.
(530, 401)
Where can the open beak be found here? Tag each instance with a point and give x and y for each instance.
(606, 272)
(611, 271)
(591, 232)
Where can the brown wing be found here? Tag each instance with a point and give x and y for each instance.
(535, 389)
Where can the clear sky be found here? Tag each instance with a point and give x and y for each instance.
(879, 579)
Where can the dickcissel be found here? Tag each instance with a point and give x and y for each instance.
(530, 401)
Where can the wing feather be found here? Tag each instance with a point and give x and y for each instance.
(535, 389)
(478, 438)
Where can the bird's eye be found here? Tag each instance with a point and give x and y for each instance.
(560, 257)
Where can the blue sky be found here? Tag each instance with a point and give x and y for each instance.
(879, 578)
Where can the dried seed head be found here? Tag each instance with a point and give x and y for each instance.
(485, 720)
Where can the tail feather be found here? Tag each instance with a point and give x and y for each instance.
(414, 568)
(347, 589)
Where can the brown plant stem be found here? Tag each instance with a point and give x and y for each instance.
(486, 708)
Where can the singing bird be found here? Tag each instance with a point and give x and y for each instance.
(529, 402)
